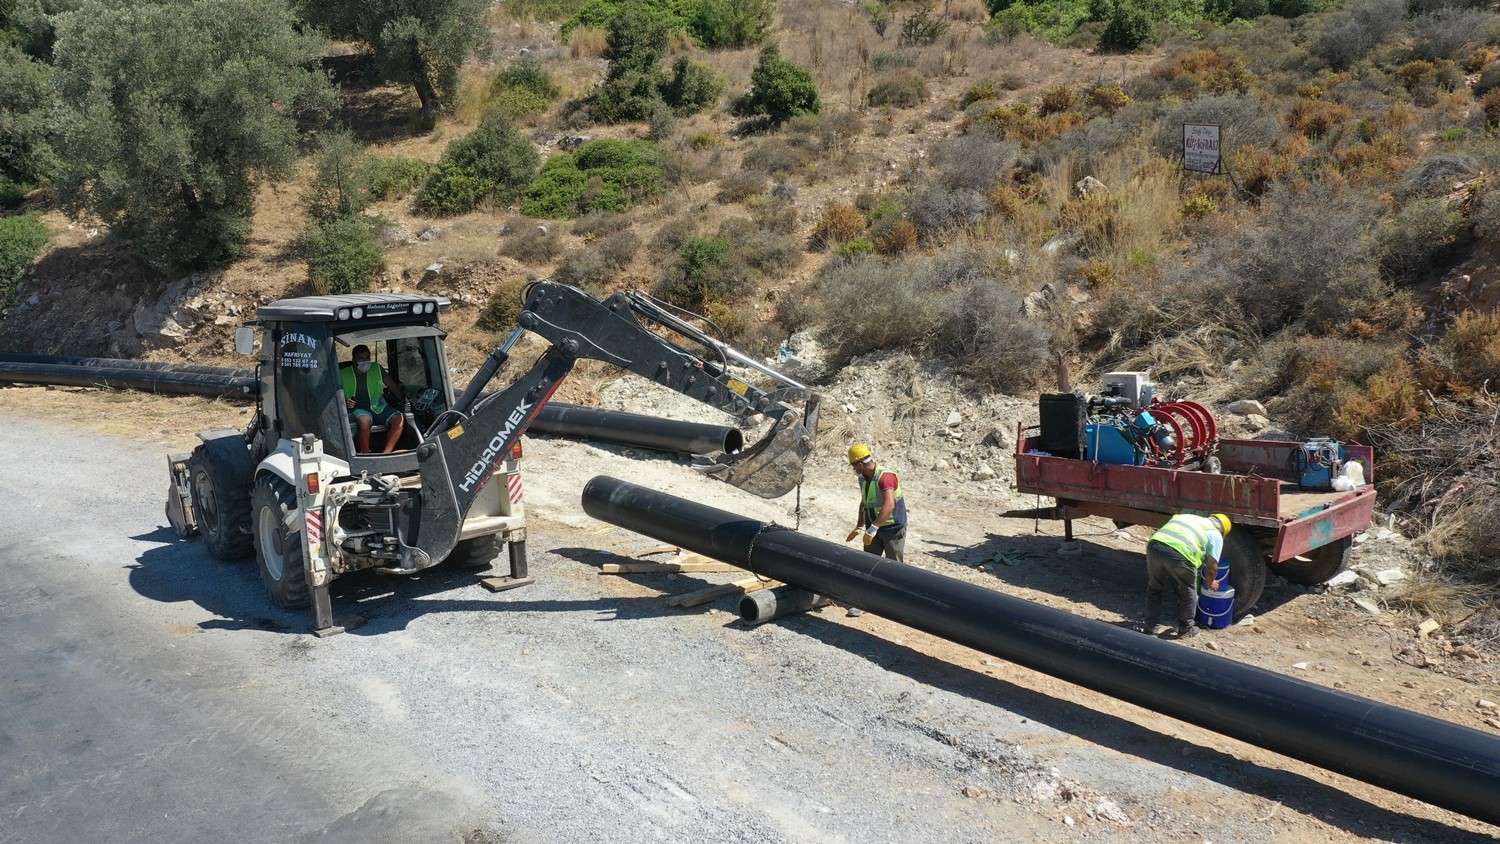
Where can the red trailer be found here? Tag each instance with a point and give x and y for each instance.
(1302, 535)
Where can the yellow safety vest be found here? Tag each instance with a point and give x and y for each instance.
(1188, 535)
(374, 382)
(871, 501)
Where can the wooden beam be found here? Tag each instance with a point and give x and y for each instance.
(665, 568)
(714, 593)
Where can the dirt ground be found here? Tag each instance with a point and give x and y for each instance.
(1317, 635)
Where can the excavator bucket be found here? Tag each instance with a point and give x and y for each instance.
(772, 467)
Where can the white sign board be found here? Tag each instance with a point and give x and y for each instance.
(1200, 148)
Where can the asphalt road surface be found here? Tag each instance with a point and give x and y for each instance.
(149, 693)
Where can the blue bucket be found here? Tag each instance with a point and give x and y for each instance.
(1215, 608)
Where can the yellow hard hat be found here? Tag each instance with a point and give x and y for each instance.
(1224, 522)
(858, 453)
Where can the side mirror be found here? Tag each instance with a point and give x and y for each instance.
(244, 340)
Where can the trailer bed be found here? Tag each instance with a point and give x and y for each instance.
(1256, 487)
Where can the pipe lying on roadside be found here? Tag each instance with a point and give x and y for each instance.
(1444, 764)
(771, 604)
(556, 418)
(125, 378)
(127, 363)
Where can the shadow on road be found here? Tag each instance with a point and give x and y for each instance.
(1303, 794)
(1110, 579)
(178, 571)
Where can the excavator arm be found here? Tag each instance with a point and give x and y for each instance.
(466, 446)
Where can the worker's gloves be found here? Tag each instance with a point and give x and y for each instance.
(852, 534)
(870, 534)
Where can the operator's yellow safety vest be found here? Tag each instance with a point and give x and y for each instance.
(1187, 535)
(871, 503)
(374, 383)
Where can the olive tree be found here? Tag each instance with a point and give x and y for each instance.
(422, 43)
(170, 112)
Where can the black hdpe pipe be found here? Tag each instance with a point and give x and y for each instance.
(126, 363)
(224, 382)
(1431, 760)
(653, 432)
(125, 378)
(771, 604)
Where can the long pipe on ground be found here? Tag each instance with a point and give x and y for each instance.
(125, 378)
(1443, 764)
(568, 420)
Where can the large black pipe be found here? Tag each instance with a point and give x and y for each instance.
(1443, 764)
(568, 420)
(117, 378)
(653, 432)
(127, 363)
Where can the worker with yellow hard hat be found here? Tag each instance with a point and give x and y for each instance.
(1175, 555)
(882, 505)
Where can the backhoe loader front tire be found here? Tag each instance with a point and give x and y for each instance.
(278, 543)
(221, 506)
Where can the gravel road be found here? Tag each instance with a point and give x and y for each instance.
(150, 693)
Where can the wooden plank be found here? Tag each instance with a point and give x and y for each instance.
(659, 549)
(665, 568)
(714, 593)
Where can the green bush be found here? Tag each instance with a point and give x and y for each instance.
(497, 154)
(389, 178)
(703, 274)
(781, 90)
(11, 193)
(343, 255)
(733, 24)
(22, 238)
(854, 248)
(603, 175)
(1128, 29)
(523, 89)
(1416, 241)
(901, 92)
(503, 311)
(693, 87)
(340, 185)
(452, 190)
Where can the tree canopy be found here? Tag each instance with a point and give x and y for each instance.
(422, 43)
(169, 112)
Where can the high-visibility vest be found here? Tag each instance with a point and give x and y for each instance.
(872, 496)
(374, 382)
(1188, 535)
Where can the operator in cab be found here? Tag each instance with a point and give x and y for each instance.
(365, 383)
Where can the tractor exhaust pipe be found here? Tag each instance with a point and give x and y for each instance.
(1444, 764)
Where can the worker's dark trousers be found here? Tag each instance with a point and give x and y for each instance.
(889, 542)
(1166, 567)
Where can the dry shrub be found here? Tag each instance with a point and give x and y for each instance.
(1466, 361)
(586, 42)
(897, 238)
(1058, 99)
(988, 336)
(1433, 595)
(1480, 59)
(1207, 71)
(1391, 397)
(1108, 98)
(741, 185)
(979, 92)
(839, 223)
(797, 308)
(1259, 171)
(1314, 378)
(903, 316)
(1006, 201)
(532, 244)
(967, 11)
(672, 235)
(597, 224)
(1381, 158)
(776, 156)
(504, 307)
(1491, 105)
(1316, 118)
(770, 252)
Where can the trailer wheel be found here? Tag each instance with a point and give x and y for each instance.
(477, 553)
(1317, 565)
(221, 507)
(1247, 568)
(278, 543)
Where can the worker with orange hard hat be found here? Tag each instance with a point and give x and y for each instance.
(1175, 555)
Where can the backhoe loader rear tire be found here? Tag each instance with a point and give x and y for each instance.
(278, 543)
(477, 553)
(221, 506)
